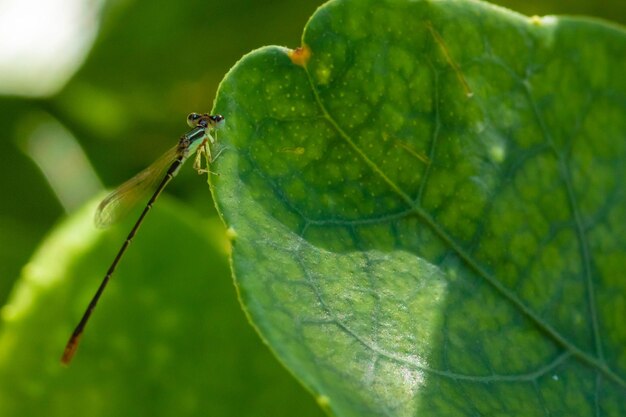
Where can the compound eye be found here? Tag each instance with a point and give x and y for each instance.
(193, 118)
(217, 120)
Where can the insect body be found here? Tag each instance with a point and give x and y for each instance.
(119, 201)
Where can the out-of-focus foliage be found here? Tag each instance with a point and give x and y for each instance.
(153, 63)
(169, 339)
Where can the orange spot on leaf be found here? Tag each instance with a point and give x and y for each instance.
(300, 56)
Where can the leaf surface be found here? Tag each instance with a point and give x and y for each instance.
(429, 208)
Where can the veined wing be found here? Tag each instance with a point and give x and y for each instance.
(127, 195)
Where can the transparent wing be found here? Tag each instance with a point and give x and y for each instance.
(126, 196)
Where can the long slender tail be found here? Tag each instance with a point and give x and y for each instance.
(72, 343)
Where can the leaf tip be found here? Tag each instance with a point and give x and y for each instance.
(300, 56)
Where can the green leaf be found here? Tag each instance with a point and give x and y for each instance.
(428, 212)
(167, 339)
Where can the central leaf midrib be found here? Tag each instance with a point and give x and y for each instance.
(439, 231)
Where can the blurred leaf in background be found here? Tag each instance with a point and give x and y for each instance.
(151, 63)
(169, 338)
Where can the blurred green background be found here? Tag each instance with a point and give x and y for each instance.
(93, 91)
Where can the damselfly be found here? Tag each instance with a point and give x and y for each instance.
(124, 197)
